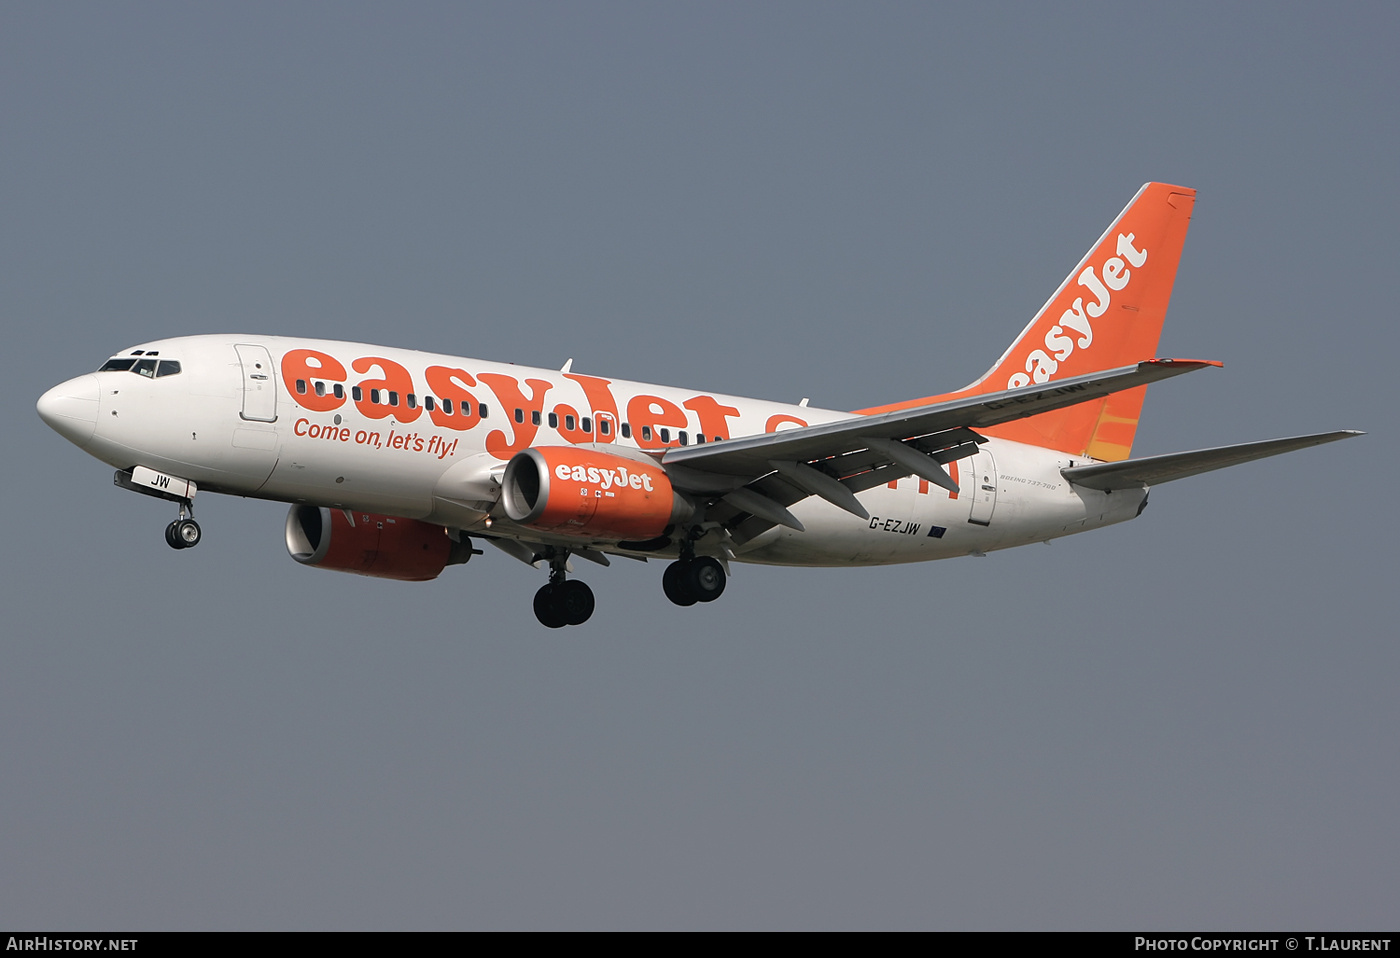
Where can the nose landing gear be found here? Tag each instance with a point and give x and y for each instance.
(561, 601)
(184, 532)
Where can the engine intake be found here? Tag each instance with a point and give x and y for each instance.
(577, 491)
(387, 547)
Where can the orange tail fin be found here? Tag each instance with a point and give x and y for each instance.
(1107, 313)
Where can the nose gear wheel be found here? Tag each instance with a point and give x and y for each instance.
(183, 534)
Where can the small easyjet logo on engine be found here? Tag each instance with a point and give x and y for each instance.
(1060, 340)
(604, 478)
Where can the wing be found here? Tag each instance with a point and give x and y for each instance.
(1154, 470)
(757, 477)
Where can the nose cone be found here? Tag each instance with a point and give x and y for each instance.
(70, 408)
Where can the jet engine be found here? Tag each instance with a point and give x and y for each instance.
(386, 547)
(578, 491)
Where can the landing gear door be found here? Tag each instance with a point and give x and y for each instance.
(980, 485)
(259, 383)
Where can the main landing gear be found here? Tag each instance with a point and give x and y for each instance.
(693, 579)
(688, 580)
(184, 532)
(561, 601)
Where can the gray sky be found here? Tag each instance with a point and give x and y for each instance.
(1187, 721)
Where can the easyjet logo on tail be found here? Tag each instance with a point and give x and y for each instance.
(1075, 327)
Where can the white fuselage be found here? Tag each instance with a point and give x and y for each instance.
(234, 427)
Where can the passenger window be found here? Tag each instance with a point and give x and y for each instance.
(320, 388)
(393, 398)
(569, 423)
(357, 393)
(428, 403)
(481, 410)
(412, 401)
(554, 420)
(604, 427)
(665, 434)
(167, 367)
(627, 430)
(681, 434)
(519, 415)
(301, 387)
(534, 417)
(587, 424)
(699, 438)
(646, 434)
(447, 407)
(339, 391)
(374, 396)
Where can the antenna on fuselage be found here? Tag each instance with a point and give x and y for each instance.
(568, 364)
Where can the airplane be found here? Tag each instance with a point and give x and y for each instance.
(396, 462)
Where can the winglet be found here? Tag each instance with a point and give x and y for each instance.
(1197, 363)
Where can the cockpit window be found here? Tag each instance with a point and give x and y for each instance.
(150, 368)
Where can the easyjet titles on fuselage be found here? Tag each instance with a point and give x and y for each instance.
(317, 381)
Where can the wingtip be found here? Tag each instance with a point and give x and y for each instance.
(1198, 363)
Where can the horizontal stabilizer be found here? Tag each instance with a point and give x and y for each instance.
(1154, 470)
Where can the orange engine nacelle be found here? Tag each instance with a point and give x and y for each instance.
(366, 544)
(577, 491)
